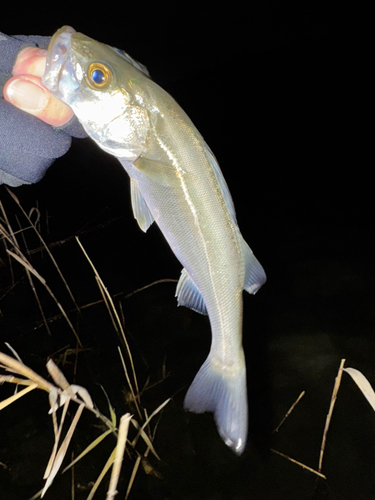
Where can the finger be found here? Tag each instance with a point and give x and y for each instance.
(27, 93)
(30, 61)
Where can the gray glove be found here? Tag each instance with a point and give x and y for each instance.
(28, 146)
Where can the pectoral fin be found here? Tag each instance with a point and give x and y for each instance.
(140, 209)
(159, 172)
(188, 294)
(255, 276)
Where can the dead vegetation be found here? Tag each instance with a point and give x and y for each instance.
(61, 393)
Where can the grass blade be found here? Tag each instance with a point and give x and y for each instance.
(299, 463)
(132, 477)
(141, 430)
(102, 474)
(33, 225)
(63, 449)
(24, 262)
(330, 412)
(90, 447)
(15, 366)
(115, 318)
(57, 431)
(12, 399)
(120, 449)
(111, 409)
(145, 438)
(363, 384)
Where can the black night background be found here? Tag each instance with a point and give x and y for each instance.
(282, 93)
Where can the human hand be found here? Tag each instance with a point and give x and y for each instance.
(25, 90)
(29, 145)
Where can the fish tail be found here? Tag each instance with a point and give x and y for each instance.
(222, 391)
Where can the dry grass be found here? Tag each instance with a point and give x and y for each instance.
(61, 393)
(366, 389)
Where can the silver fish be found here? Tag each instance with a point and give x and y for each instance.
(176, 182)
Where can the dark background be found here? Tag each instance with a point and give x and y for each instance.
(283, 95)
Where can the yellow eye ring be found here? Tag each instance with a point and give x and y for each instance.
(99, 75)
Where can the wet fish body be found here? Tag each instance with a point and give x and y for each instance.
(176, 182)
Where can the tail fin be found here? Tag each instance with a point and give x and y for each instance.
(222, 390)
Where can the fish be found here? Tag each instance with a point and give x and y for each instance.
(175, 181)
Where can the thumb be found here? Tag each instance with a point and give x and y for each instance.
(26, 92)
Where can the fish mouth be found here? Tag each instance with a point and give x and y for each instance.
(57, 59)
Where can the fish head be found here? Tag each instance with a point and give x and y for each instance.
(97, 82)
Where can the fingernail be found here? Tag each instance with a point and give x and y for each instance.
(27, 96)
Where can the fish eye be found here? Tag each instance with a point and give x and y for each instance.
(99, 75)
